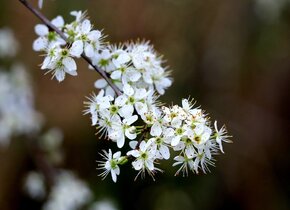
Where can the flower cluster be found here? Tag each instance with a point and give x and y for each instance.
(133, 115)
(192, 136)
(184, 131)
(60, 55)
(135, 64)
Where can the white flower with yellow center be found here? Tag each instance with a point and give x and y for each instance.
(110, 164)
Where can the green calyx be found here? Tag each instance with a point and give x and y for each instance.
(123, 160)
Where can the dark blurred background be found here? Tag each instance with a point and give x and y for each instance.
(233, 57)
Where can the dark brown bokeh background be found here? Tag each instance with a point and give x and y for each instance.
(233, 57)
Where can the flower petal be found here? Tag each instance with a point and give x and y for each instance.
(100, 83)
(89, 50)
(138, 164)
(41, 30)
(77, 48)
(39, 44)
(175, 141)
(59, 74)
(69, 64)
(58, 21)
(114, 176)
(164, 152)
(121, 141)
(86, 26)
(156, 129)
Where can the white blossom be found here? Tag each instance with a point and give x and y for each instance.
(110, 164)
(221, 136)
(60, 61)
(145, 156)
(91, 38)
(186, 164)
(46, 37)
(162, 147)
(123, 129)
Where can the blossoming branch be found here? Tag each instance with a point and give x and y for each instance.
(127, 110)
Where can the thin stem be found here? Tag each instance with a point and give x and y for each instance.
(38, 14)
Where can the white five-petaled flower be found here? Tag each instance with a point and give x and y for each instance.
(186, 165)
(91, 38)
(110, 164)
(103, 61)
(123, 129)
(96, 104)
(60, 61)
(134, 98)
(162, 147)
(136, 64)
(145, 157)
(124, 72)
(46, 37)
(221, 136)
(146, 60)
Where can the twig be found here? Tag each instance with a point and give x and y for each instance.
(38, 14)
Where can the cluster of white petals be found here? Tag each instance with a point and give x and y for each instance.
(132, 117)
(183, 131)
(192, 136)
(59, 55)
(135, 64)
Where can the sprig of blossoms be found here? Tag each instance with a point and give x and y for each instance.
(184, 131)
(133, 116)
(133, 63)
(59, 55)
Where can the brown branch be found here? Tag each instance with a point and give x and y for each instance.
(38, 14)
